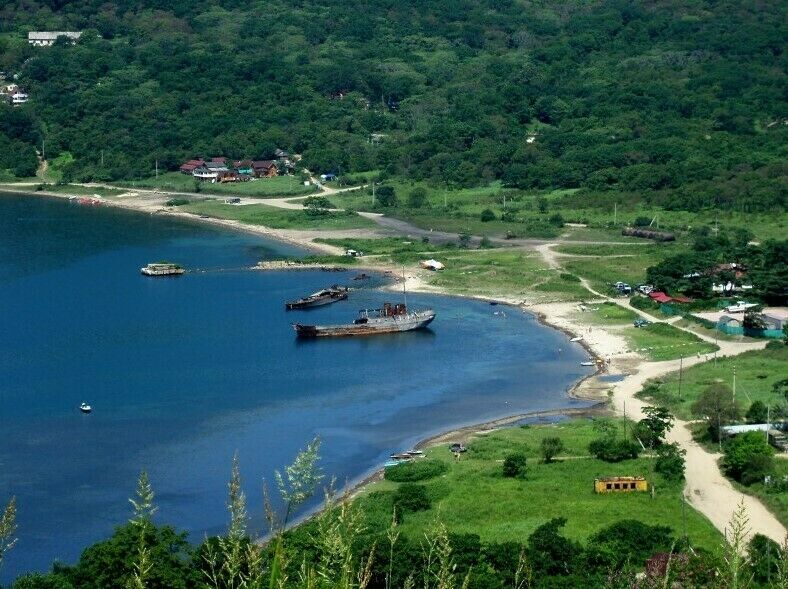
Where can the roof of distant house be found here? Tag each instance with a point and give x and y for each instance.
(52, 35)
(659, 296)
(264, 164)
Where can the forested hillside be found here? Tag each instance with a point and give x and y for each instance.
(682, 105)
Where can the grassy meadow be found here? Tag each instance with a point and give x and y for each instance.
(276, 218)
(756, 373)
(262, 187)
(474, 497)
(662, 341)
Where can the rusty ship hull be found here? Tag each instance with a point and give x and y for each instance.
(369, 325)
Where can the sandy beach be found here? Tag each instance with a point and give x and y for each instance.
(707, 490)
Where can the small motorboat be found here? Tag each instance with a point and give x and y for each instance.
(588, 363)
(576, 339)
(404, 456)
(85, 408)
(415, 453)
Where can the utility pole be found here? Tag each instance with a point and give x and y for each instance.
(615, 213)
(102, 158)
(157, 169)
(734, 383)
(681, 366)
(373, 193)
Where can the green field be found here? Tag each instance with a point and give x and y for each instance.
(474, 497)
(662, 341)
(607, 314)
(262, 187)
(276, 218)
(608, 264)
(386, 245)
(756, 372)
(75, 190)
(501, 272)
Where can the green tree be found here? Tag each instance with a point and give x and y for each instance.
(757, 413)
(515, 465)
(550, 448)
(717, 407)
(386, 196)
(670, 461)
(655, 425)
(748, 457)
(549, 551)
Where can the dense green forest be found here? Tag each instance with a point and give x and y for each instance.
(678, 106)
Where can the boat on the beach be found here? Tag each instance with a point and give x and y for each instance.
(389, 319)
(85, 408)
(322, 297)
(162, 269)
(576, 339)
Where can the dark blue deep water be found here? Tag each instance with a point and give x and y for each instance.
(182, 372)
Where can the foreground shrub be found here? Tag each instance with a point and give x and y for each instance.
(419, 470)
(411, 497)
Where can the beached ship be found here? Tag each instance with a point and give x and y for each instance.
(389, 319)
(321, 297)
(162, 269)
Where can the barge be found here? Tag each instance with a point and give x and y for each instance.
(325, 296)
(162, 269)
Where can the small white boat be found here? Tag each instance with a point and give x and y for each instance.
(85, 408)
(576, 339)
(588, 363)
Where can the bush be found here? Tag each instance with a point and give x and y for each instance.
(410, 497)
(177, 202)
(419, 470)
(487, 215)
(514, 465)
(614, 449)
(417, 198)
(643, 303)
(556, 220)
(748, 457)
(642, 222)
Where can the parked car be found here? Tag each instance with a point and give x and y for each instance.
(641, 322)
(740, 307)
(645, 288)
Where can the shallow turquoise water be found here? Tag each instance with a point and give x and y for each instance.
(183, 372)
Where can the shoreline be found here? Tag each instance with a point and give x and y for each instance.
(705, 489)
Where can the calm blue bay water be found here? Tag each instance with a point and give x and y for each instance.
(183, 372)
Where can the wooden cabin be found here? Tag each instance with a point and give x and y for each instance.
(620, 485)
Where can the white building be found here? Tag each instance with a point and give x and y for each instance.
(19, 98)
(47, 38)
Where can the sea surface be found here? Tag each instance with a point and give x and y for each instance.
(184, 372)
